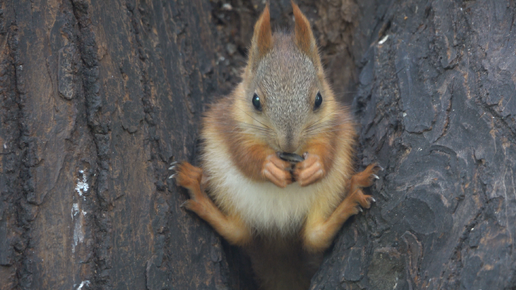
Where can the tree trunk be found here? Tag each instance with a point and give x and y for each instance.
(437, 106)
(98, 97)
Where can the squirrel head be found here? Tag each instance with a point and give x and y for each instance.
(284, 97)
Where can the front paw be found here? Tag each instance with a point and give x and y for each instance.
(310, 170)
(276, 171)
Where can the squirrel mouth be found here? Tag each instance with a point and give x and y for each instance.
(290, 157)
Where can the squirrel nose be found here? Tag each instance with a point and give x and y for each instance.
(290, 148)
(288, 145)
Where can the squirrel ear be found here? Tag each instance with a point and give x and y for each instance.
(262, 36)
(303, 33)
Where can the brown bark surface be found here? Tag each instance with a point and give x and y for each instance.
(97, 98)
(437, 106)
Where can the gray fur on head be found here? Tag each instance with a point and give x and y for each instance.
(287, 80)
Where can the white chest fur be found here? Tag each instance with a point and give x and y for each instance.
(262, 205)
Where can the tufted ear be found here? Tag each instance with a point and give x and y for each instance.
(262, 37)
(304, 37)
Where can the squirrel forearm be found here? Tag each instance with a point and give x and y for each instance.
(250, 159)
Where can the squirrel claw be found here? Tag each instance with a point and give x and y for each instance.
(378, 167)
(375, 176)
(173, 165)
(372, 199)
(172, 176)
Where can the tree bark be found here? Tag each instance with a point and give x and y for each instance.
(436, 103)
(97, 98)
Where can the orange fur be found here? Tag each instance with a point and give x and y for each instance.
(303, 33)
(318, 232)
(262, 37)
(230, 227)
(284, 215)
(250, 156)
(319, 159)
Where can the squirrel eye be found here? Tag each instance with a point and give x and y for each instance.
(318, 101)
(256, 102)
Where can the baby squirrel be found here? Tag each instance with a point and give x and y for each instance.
(283, 214)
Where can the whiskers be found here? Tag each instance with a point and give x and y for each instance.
(265, 131)
(329, 124)
(259, 129)
(262, 129)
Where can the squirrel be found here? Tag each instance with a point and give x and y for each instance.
(284, 214)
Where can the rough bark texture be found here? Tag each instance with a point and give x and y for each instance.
(98, 97)
(437, 105)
